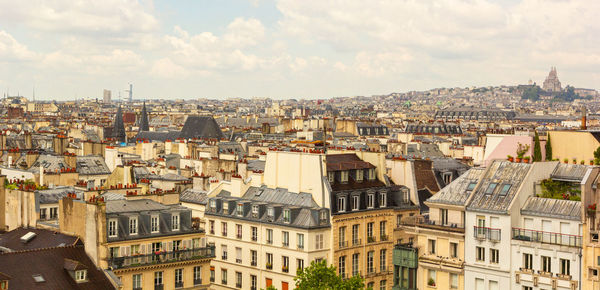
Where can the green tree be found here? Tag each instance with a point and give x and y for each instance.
(537, 148)
(548, 148)
(597, 156)
(319, 276)
(531, 93)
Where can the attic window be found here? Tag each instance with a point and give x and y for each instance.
(270, 212)
(447, 177)
(505, 189)
(359, 174)
(38, 278)
(491, 188)
(286, 216)
(323, 216)
(80, 275)
(255, 210)
(213, 203)
(372, 174)
(344, 176)
(471, 186)
(331, 176)
(225, 206)
(240, 209)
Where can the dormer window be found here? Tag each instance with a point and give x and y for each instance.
(405, 196)
(80, 275)
(331, 176)
(133, 225)
(359, 175)
(447, 176)
(213, 204)
(270, 212)
(355, 202)
(341, 204)
(175, 222)
(154, 224)
(371, 200)
(382, 199)
(255, 210)
(286, 215)
(112, 228)
(372, 174)
(240, 209)
(225, 206)
(344, 176)
(323, 216)
(491, 188)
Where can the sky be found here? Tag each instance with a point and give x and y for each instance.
(67, 49)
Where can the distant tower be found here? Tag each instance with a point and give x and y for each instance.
(106, 96)
(144, 120)
(118, 127)
(130, 93)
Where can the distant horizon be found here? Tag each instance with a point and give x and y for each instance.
(283, 49)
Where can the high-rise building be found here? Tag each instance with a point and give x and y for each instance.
(106, 96)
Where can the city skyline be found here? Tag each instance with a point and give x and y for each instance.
(293, 49)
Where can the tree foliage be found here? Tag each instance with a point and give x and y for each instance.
(548, 149)
(531, 93)
(320, 276)
(597, 156)
(537, 148)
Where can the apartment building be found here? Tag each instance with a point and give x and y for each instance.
(364, 213)
(143, 243)
(263, 237)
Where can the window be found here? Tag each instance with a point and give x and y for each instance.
(154, 226)
(197, 275)
(431, 246)
(370, 200)
(371, 173)
(355, 202)
(494, 256)
(546, 264)
(158, 278)
(286, 215)
(238, 231)
(527, 261)
(253, 282)
(255, 210)
(323, 216)
(480, 254)
(211, 226)
(431, 277)
(43, 213)
(527, 288)
(134, 249)
(398, 220)
(270, 212)
(565, 266)
(136, 281)
(383, 285)
(355, 264)
(504, 189)
(443, 216)
(114, 252)
(224, 229)
(331, 176)
(471, 186)
(238, 255)
(253, 257)
(382, 260)
(491, 188)
(53, 212)
(285, 264)
(370, 285)
(344, 176)
(225, 207)
(359, 174)
(178, 278)
(382, 232)
(254, 234)
(300, 240)
(447, 177)
(133, 225)
(80, 275)
(212, 274)
(224, 276)
(224, 251)
(369, 230)
(370, 255)
(453, 250)
(213, 204)
(382, 199)
(112, 228)
(240, 209)
(319, 241)
(269, 236)
(341, 203)
(238, 279)
(285, 238)
(593, 273)
(355, 240)
(480, 226)
(175, 222)
(269, 261)
(453, 281)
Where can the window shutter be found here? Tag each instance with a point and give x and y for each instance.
(124, 251)
(143, 249)
(170, 246)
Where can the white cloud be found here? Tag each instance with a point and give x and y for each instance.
(12, 50)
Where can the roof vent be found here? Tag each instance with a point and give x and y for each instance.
(28, 237)
(38, 278)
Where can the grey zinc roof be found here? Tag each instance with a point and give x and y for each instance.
(123, 206)
(49, 163)
(92, 164)
(456, 192)
(194, 196)
(256, 165)
(279, 196)
(556, 208)
(168, 177)
(569, 172)
(501, 173)
(50, 196)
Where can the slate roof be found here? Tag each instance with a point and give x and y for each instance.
(347, 161)
(434, 128)
(49, 163)
(569, 172)
(555, 208)
(49, 263)
(92, 165)
(53, 195)
(457, 193)
(124, 206)
(279, 196)
(501, 173)
(118, 131)
(201, 127)
(144, 119)
(256, 165)
(44, 239)
(194, 196)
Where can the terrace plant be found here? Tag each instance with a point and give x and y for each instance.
(522, 149)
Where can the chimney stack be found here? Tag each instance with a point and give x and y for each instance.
(583, 118)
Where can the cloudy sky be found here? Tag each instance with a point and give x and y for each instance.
(291, 48)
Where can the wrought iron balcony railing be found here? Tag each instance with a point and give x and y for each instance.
(546, 237)
(161, 258)
(483, 233)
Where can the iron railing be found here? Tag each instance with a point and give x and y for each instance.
(486, 233)
(546, 237)
(161, 258)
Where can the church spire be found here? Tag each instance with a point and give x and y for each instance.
(118, 127)
(144, 119)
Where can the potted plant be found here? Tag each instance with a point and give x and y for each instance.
(518, 159)
(566, 160)
(582, 162)
(431, 282)
(574, 160)
(526, 159)
(591, 209)
(510, 158)
(591, 161)
(521, 150)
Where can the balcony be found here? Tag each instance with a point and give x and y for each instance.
(253, 263)
(197, 282)
(483, 233)
(239, 261)
(238, 236)
(159, 287)
(371, 239)
(238, 285)
(425, 222)
(162, 258)
(269, 266)
(356, 242)
(343, 244)
(546, 237)
(383, 238)
(178, 284)
(285, 269)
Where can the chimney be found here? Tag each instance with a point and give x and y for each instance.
(31, 157)
(28, 141)
(71, 160)
(583, 118)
